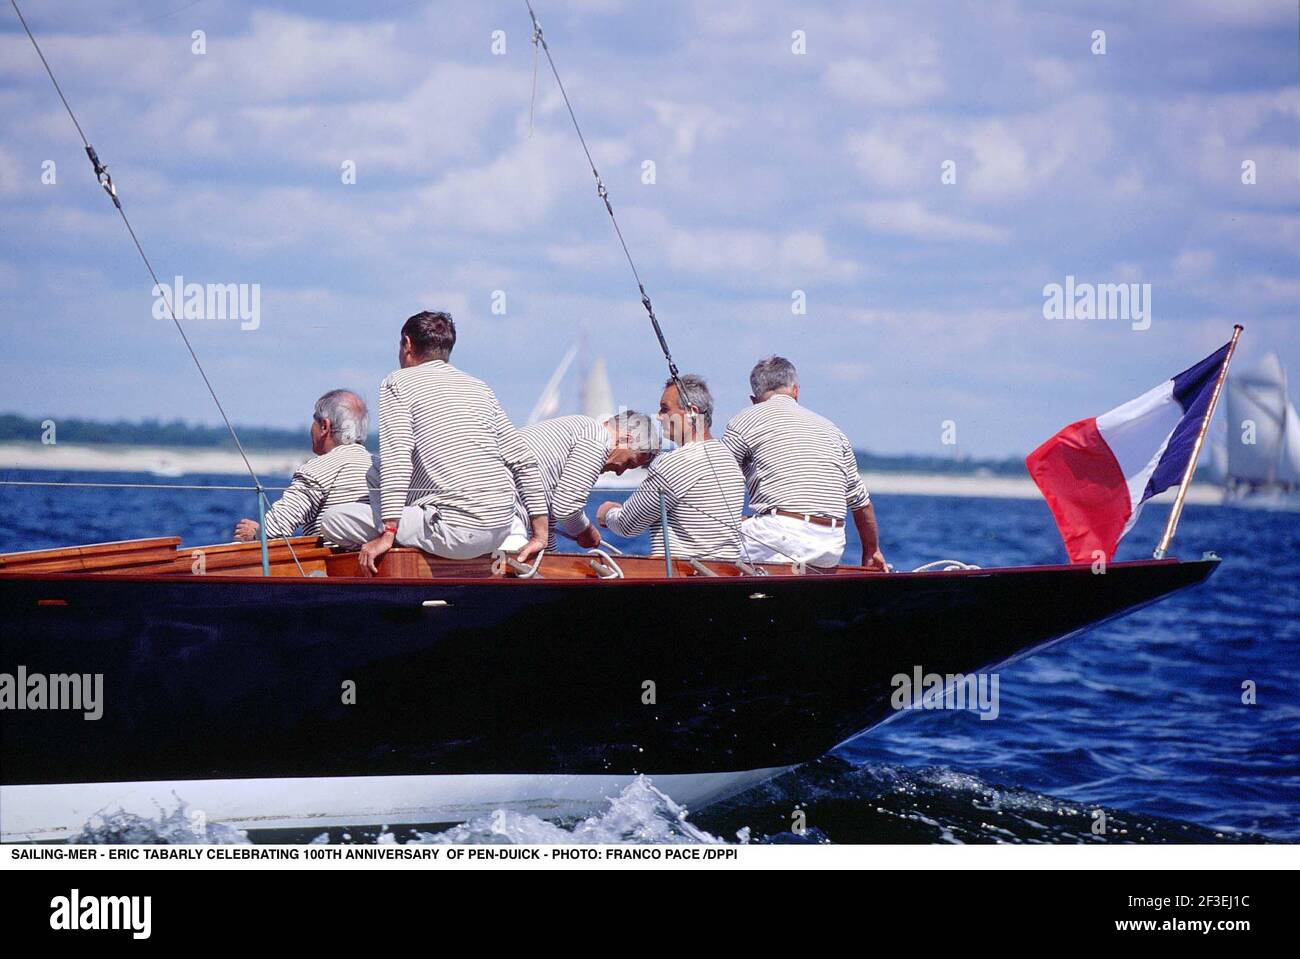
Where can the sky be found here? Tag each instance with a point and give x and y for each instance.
(799, 151)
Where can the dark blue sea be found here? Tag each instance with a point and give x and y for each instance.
(1143, 718)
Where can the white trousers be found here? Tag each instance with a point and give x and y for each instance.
(783, 539)
(420, 526)
(520, 533)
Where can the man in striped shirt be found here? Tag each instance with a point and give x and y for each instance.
(703, 488)
(801, 474)
(572, 452)
(342, 472)
(450, 460)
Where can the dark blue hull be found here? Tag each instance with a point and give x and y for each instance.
(210, 678)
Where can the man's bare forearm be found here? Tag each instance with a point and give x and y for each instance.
(864, 518)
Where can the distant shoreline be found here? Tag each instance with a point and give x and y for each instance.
(168, 462)
(163, 461)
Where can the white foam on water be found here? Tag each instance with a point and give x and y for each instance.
(639, 814)
(180, 826)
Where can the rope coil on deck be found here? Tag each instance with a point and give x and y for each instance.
(944, 565)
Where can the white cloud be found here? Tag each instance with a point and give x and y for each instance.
(1239, 12)
(1196, 262)
(887, 159)
(689, 124)
(12, 178)
(1053, 73)
(508, 195)
(908, 76)
(756, 256)
(410, 133)
(996, 159)
(910, 218)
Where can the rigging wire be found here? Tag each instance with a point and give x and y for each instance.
(178, 486)
(683, 396)
(539, 40)
(106, 181)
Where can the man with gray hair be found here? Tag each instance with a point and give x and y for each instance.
(572, 452)
(699, 482)
(342, 472)
(801, 475)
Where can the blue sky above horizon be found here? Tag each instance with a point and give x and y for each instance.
(775, 172)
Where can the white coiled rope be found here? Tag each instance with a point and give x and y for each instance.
(944, 565)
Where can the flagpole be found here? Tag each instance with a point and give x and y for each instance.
(1177, 510)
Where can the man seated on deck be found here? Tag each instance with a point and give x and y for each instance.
(450, 461)
(704, 489)
(572, 452)
(801, 474)
(342, 472)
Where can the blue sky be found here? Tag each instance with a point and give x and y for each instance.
(775, 172)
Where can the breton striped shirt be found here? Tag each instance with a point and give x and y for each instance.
(571, 453)
(445, 441)
(345, 474)
(794, 459)
(706, 497)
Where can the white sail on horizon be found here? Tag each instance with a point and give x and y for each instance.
(1260, 408)
(597, 395)
(594, 398)
(548, 404)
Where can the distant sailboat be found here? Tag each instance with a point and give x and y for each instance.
(1263, 469)
(597, 397)
(549, 403)
(594, 398)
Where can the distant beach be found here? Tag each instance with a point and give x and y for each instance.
(164, 461)
(170, 462)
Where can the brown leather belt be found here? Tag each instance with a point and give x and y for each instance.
(806, 517)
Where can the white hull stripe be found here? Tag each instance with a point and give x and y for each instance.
(61, 810)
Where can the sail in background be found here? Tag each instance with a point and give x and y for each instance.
(1266, 472)
(597, 396)
(594, 397)
(548, 404)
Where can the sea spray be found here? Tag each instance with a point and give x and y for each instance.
(180, 826)
(639, 814)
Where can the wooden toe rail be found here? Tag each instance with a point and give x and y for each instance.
(132, 555)
(165, 555)
(245, 559)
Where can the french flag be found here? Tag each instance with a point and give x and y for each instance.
(1096, 474)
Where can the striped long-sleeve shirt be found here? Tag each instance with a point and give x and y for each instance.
(706, 496)
(444, 440)
(345, 474)
(794, 459)
(571, 453)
